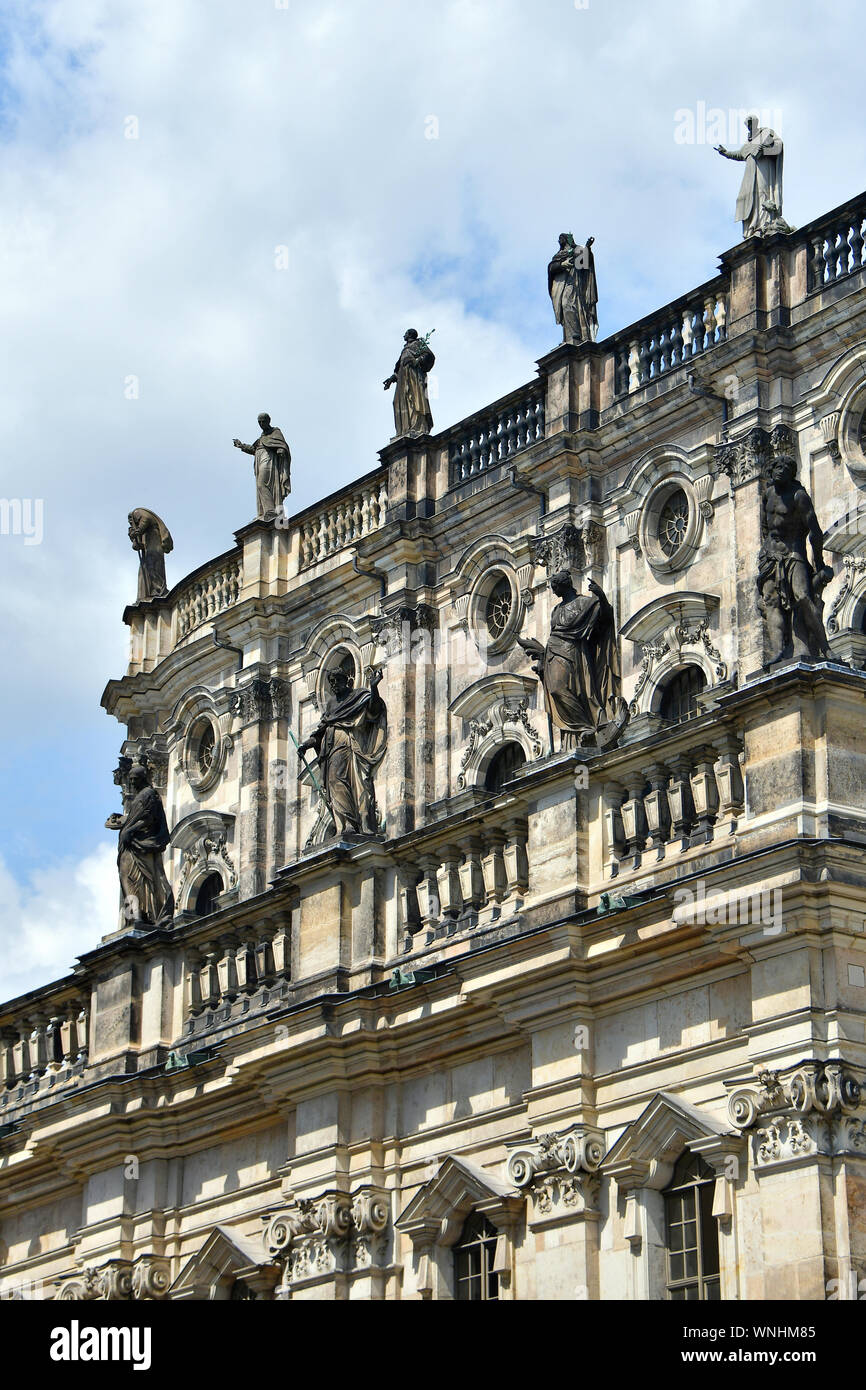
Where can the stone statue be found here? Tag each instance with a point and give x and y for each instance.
(789, 588)
(272, 468)
(573, 290)
(349, 744)
(412, 414)
(151, 538)
(147, 895)
(579, 667)
(759, 204)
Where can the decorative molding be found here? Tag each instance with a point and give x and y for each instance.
(147, 1278)
(815, 1108)
(316, 1237)
(261, 701)
(559, 1172)
(559, 550)
(750, 457)
(854, 565)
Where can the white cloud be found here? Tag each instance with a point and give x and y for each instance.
(57, 915)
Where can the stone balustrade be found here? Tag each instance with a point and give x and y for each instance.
(43, 1048)
(693, 796)
(682, 332)
(208, 594)
(836, 244)
(467, 883)
(496, 434)
(344, 520)
(225, 975)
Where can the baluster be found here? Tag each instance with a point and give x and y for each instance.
(729, 783)
(656, 810)
(226, 974)
(407, 878)
(511, 445)
(448, 883)
(427, 892)
(245, 966)
(281, 946)
(664, 351)
(644, 363)
(856, 240)
(633, 367)
(493, 870)
(322, 549)
(700, 332)
(264, 954)
(474, 453)
(688, 334)
(614, 838)
(366, 527)
(830, 257)
(680, 802)
(471, 877)
(54, 1043)
(21, 1050)
(38, 1048)
(654, 356)
(7, 1058)
(357, 521)
(383, 504)
(621, 373)
(722, 318)
(704, 795)
(209, 981)
(539, 418)
(515, 859)
(82, 1024)
(710, 322)
(817, 264)
(69, 1034)
(633, 820)
(501, 440)
(676, 343)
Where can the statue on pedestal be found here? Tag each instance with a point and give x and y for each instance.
(759, 203)
(349, 744)
(573, 290)
(272, 467)
(152, 540)
(143, 838)
(789, 588)
(412, 415)
(579, 667)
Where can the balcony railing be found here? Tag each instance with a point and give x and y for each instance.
(837, 245)
(496, 434)
(42, 1049)
(684, 331)
(208, 594)
(228, 973)
(688, 797)
(344, 520)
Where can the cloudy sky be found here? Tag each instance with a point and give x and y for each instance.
(210, 208)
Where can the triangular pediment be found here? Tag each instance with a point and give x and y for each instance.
(224, 1257)
(457, 1188)
(652, 1143)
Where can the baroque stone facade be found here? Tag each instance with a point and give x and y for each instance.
(548, 1000)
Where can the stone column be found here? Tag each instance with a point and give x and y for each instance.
(680, 802)
(427, 891)
(704, 794)
(729, 783)
(471, 878)
(656, 810)
(448, 876)
(633, 819)
(613, 828)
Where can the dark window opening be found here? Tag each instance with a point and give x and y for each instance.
(206, 897)
(474, 1257)
(680, 694)
(691, 1233)
(503, 766)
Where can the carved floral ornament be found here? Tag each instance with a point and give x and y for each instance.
(811, 1109)
(558, 1171)
(334, 1233)
(147, 1278)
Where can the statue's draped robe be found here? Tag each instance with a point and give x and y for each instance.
(412, 413)
(786, 579)
(350, 744)
(272, 468)
(581, 671)
(759, 202)
(574, 294)
(151, 538)
(143, 839)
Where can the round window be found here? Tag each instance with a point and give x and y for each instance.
(498, 609)
(202, 758)
(673, 522)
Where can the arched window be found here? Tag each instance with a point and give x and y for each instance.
(474, 1257)
(691, 1234)
(680, 694)
(503, 766)
(206, 897)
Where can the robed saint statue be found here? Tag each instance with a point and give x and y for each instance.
(349, 744)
